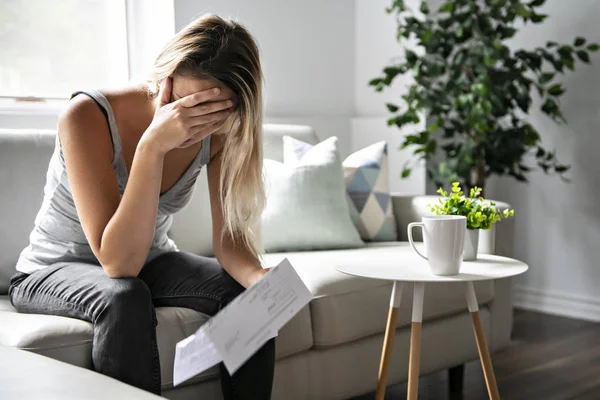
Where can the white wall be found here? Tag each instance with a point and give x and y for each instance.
(307, 55)
(376, 46)
(557, 223)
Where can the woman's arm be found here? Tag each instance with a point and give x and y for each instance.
(119, 229)
(234, 257)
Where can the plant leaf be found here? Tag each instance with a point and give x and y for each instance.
(546, 77)
(593, 47)
(583, 56)
(556, 90)
(424, 8)
(433, 128)
(540, 153)
(411, 56)
(480, 89)
(550, 107)
(569, 63)
(447, 7)
(536, 3)
(524, 12)
(507, 32)
(579, 41)
(405, 172)
(392, 107)
(537, 18)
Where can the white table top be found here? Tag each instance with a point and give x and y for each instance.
(26, 375)
(412, 268)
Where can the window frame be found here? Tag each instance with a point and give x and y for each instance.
(135, 14)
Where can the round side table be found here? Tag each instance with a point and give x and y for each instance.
(412, 269)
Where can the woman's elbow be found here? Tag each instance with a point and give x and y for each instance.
(119, 273)
(127, 268)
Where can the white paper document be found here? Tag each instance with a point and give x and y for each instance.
(193, 355)
(244, 326)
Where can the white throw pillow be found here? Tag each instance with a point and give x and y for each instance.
(306, 203)
(367, 186)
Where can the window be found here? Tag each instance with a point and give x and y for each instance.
(48, 49)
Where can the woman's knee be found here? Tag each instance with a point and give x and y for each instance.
(126, 297)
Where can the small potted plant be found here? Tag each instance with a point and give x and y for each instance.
(480, 213)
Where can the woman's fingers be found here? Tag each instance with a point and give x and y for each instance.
(218, 116)
(164, 95)
(200, 132)
(199, 97)
(208, 108)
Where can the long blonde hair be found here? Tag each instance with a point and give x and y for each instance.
(223, 49)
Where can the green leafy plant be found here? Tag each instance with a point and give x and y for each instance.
(480, 213)
(475, 91)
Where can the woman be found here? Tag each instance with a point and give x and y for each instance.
(124, 162)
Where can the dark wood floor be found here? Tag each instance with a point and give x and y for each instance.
(550, 358)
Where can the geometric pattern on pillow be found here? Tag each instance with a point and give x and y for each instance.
(367, 188)
(366, 177)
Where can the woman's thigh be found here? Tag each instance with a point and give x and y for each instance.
(75, 290)
(182, 279)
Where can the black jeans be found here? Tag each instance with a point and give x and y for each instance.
(122, 311)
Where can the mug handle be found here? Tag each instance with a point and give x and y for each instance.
(410, 236)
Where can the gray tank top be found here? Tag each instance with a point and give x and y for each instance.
(58, 237)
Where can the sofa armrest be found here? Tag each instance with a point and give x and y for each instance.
(407, 209)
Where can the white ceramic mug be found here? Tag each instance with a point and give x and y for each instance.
(444, 240)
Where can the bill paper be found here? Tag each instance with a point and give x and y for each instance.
(244, 326)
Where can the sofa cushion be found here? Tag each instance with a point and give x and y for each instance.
(347, 308)
(70, 340)
(64, 339)
(305, 203)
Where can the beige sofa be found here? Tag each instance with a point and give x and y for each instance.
(330, 350)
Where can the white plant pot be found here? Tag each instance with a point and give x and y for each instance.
(471, 245)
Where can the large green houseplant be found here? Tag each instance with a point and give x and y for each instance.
(475, 91)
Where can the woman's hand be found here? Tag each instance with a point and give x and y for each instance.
(186, 121)
(258, 274)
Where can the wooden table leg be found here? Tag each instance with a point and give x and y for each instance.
(415, 341)
(482, 347)
(388, 341)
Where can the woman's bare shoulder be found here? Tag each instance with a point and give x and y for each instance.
(83, 107)
(82, 120)
(129, 100)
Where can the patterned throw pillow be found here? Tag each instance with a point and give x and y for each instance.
(367, 188)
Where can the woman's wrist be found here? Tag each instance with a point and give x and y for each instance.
(146, 145)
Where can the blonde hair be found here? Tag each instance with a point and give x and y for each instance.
(222, 49)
